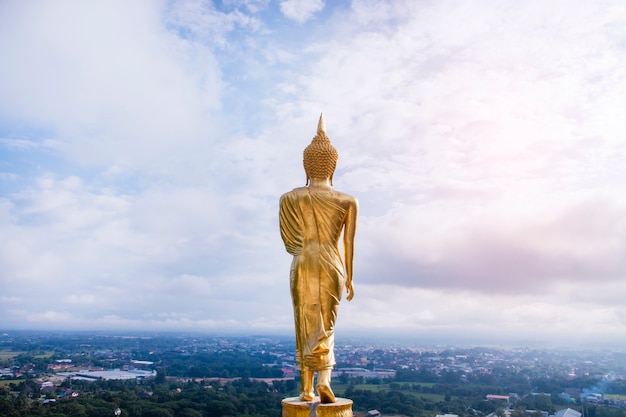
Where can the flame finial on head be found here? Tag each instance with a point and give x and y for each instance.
(321, 127)
(320, 157)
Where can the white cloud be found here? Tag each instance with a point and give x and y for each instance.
(253, 6)
(20, 144)
(8, 176)
(80, 299)
(300, 10)
(98, 253)
(200, 19)
(109, 81)
(456, 315)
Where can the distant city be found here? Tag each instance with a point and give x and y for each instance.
(50, 367)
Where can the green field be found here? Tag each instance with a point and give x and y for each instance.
(7, 354)
(5, 382)
(340, 389)
(615, 397)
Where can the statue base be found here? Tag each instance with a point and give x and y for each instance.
(294, 407)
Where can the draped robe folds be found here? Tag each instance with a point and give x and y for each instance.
(310, 225)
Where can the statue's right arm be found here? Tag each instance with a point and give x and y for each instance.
(283, 221)
(348, 244)
(289, 228)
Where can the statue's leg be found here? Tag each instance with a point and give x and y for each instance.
(306, 386)
(323, 386)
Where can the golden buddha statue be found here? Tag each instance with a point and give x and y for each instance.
(312, 219)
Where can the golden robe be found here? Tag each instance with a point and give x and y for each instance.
(311, 222)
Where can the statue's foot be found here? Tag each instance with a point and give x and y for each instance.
(306, 387)
(326, 394)
(306, 396)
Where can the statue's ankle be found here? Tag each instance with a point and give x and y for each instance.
(326, 394)
(306, 396)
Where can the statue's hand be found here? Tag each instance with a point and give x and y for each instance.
(350, 291)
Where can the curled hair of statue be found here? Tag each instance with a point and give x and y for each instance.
(320, 157)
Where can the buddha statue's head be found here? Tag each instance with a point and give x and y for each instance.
(320, 157)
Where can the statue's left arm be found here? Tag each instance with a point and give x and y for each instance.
(348, 244)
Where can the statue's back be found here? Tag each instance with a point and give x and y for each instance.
(321, 213)
(312, 220)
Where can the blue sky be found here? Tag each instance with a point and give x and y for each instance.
(144, 146)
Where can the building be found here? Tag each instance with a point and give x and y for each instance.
(567, 412)
(108, 375)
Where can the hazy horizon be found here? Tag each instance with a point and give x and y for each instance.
(422, 340)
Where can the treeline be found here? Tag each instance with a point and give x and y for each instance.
(393, 402)
(417, 393)
(598, 411)
(164, 398)
(244, 398)
(226, 364)
(221, 364)
(500, 383)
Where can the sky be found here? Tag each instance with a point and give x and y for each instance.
(144, 147)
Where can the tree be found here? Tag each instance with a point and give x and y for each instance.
(518, 412)
(160, 376)
(544, 402)
(189, 412)
(157, 412)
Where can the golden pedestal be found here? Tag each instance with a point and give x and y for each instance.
(293, 407)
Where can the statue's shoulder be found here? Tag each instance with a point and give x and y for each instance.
(295, 193)
(346, 197)
(347, 201)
